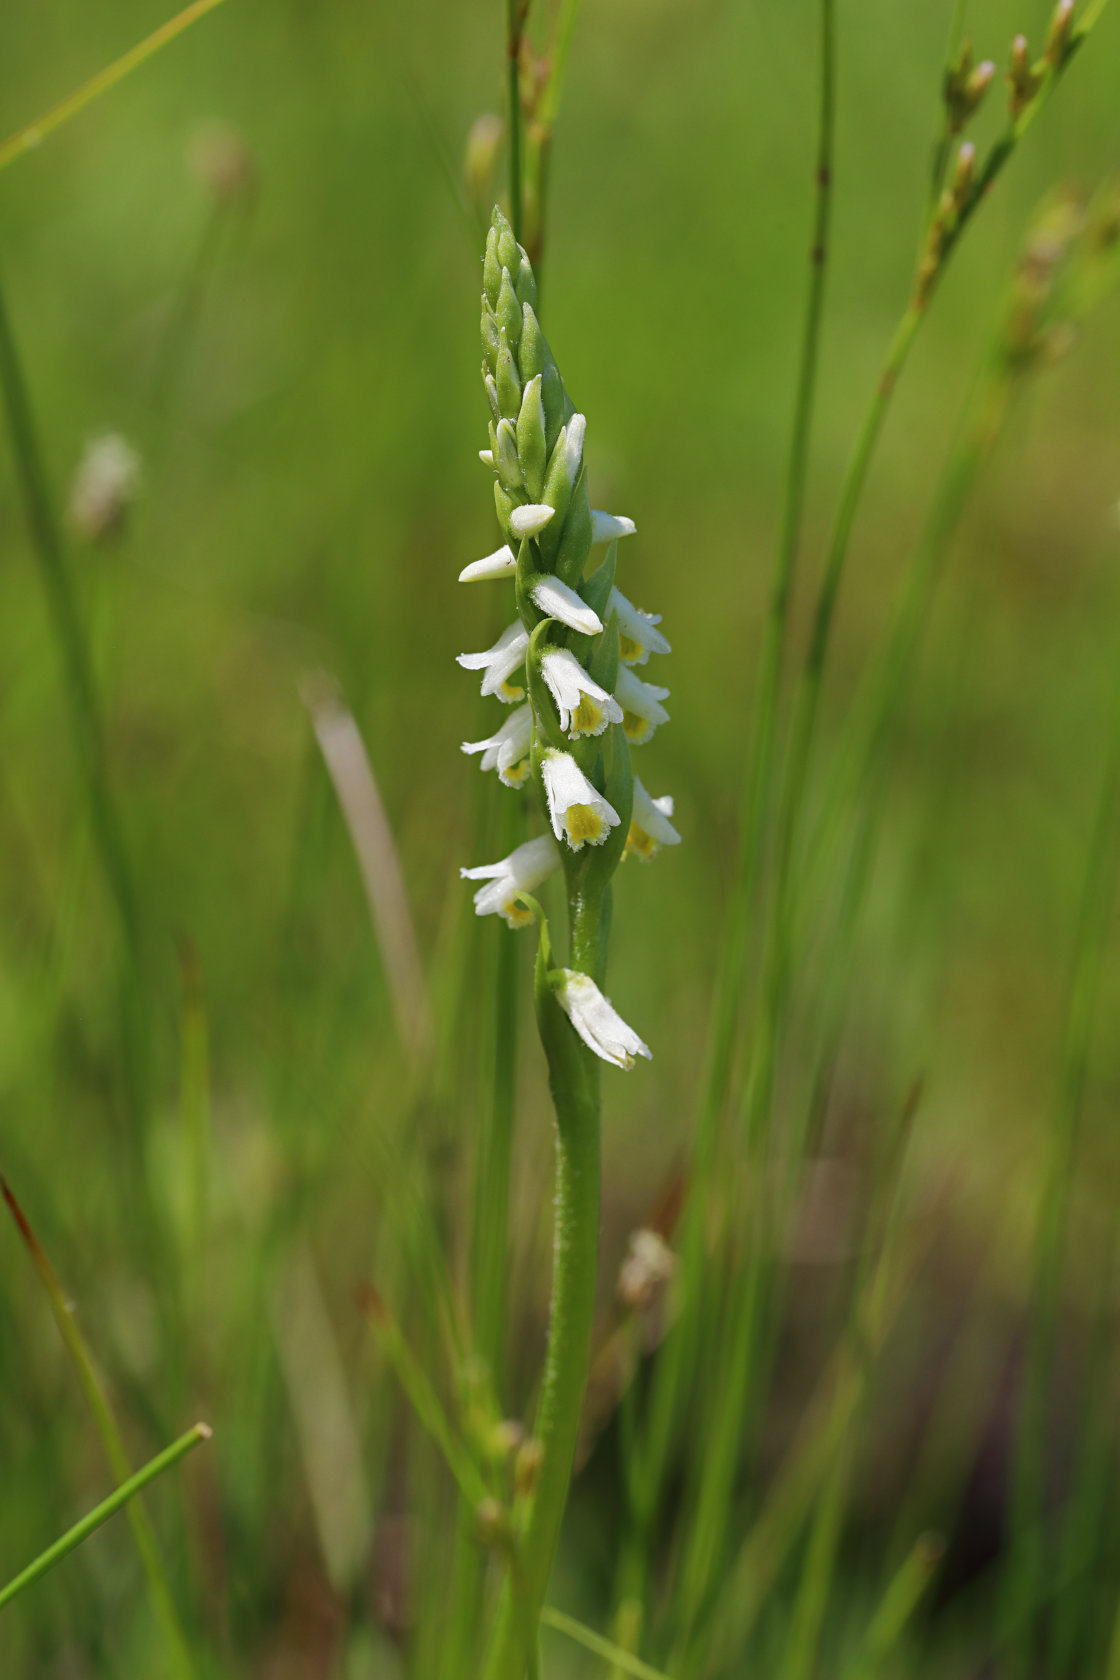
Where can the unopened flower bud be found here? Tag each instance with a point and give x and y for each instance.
(646, 1271)
(491, 336)
(531, 445)
(508, 311)
(505, 455)
(493, 1523)
(483, 143)
(105, 485)
(509, 252)
(509, 386)
(1059, 34)
(527, 1467)
(964, 174)
(978, 84)
(1023, 78)
(491, 268)
(506, 1437)
(525, 284)
(221, 160)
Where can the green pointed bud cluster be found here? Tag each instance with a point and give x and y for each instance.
(1071, 260)
(568, 662)
(1024, 79)
(1059, 36)
(523, 386)
(965, 87)
(955, 202)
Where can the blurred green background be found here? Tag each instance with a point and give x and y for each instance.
(311, 491)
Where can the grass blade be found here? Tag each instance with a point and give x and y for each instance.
(33, 134)
(159, 1590)
(101, 1513)
(605, 1648)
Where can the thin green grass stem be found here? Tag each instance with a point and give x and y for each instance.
(32, 135)
(1023, 1579)
(515, 24)
(811, 1602)
(101, 1513)
(623, 1661)
(73, 647)
(159, 1590)
(895, 1611)
(181, 328)
(678, 1356)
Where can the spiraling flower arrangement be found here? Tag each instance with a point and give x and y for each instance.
(567, 670)
(567, 666)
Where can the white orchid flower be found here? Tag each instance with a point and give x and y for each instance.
(638, 635)
(508, 748)
(556, 600)
(608, 527)
(650, 828)
(596, 1020)
(502, 563)
(642, 710)
(584, 707)
(522, 871)
(526, 521)
(578, 812)
(499, 663)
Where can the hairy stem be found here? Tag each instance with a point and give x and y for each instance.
(574, 1083)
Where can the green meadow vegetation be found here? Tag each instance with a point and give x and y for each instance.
(356, 1322)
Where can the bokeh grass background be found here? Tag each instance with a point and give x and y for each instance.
(311, 491)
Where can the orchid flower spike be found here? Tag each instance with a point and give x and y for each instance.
(596, 1020)
(522, 871)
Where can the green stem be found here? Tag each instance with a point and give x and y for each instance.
(515, 24)
(677, 1358)
(101, 1513)
(759, 785)
(159, 1590)
(574, 1083)
(85, 710)
(1023, 1577)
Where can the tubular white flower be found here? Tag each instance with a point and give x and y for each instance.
(499, 663)
(650, 828)
(528, 520)
(486, 456)
(607, 527)
(642, 710)
(638, 635)
(502, 563)
(584, 707)
(578, 812)
(556, 600)
(508, 748)
(522, 871)
(596, 1020)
